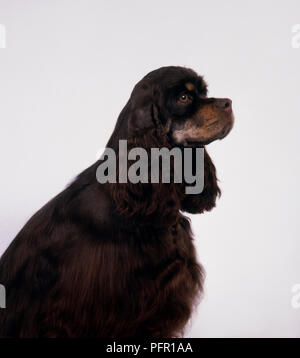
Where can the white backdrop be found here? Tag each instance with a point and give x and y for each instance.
(68, 69)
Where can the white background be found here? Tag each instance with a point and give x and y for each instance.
(69, 68)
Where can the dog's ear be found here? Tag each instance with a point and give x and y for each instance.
(206, 200)
(143, 115)
(144, 200)
(140, 119)
(154, 203)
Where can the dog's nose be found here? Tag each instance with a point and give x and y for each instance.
(224, 103)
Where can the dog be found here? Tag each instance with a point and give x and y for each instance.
(118, 259)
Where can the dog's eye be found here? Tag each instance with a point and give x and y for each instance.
(184, 98)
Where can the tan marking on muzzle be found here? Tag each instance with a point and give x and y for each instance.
(206, 124)
(190, 132)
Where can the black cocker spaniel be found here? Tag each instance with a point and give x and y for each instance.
(117, 259)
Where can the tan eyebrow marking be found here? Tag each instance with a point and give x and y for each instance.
(190, 86)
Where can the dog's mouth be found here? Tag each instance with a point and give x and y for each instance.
(200, 136)
(227, 128)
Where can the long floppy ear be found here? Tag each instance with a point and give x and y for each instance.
(143, 114)
(206, 200)
(140, 119)
(156, 203)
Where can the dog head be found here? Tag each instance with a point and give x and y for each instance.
(170, 108)
(175, 100)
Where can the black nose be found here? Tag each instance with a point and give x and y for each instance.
(224, 103)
